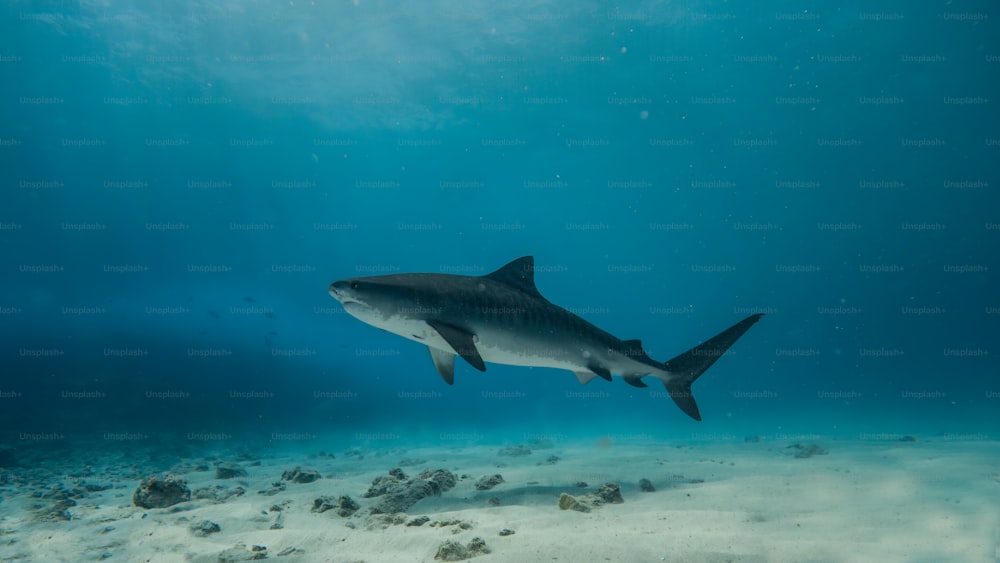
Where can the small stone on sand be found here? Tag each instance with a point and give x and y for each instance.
(161, 491)
(569, 502)
(488, 482)
(228, 470)
(299, 475)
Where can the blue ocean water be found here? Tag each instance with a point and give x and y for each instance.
(183, 180)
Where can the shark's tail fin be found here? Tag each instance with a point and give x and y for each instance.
(687, 367)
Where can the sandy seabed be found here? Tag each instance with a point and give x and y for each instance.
(927, 500)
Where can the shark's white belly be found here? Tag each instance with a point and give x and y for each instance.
(500, 355)
(492, 347)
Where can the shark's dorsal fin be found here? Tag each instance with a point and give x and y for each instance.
(519, 274)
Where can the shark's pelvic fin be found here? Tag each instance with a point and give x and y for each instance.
(686, 368)
(461, 340)
(445, 364)
(600, 370)
(585, 376)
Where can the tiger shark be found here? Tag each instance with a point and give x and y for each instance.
(502, 318)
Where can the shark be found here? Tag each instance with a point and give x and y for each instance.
(502, 318)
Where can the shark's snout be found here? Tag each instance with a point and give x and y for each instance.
(346, 292)
(340, 290)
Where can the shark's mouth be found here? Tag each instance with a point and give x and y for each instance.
(352, 305)
(343, 297)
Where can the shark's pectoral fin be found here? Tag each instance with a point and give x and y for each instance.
(445, 364)
(461, 340)
(635, 380)
(584, 376)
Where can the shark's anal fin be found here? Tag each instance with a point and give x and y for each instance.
(461, 340)
(445, 364)
(634, 380)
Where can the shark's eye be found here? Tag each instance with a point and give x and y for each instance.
(354, 285)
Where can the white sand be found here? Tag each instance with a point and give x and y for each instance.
(864, 501)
